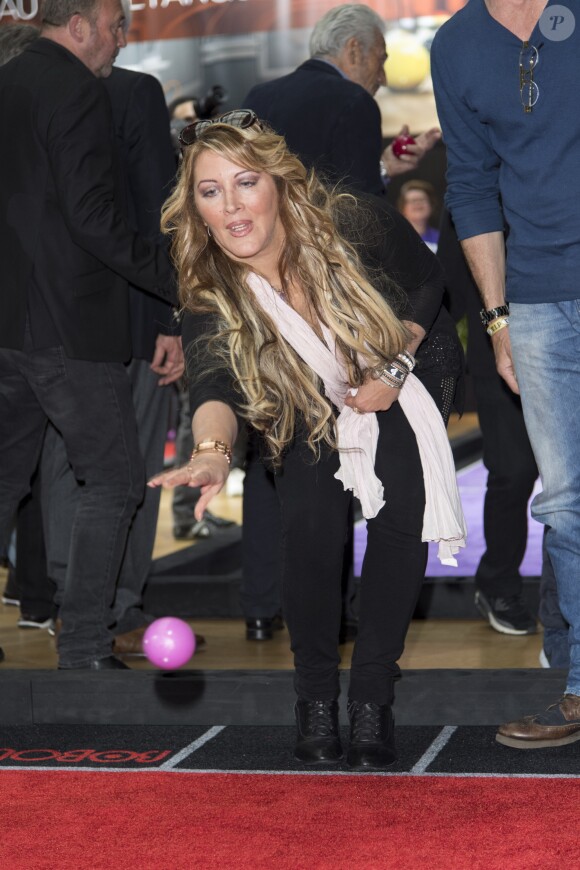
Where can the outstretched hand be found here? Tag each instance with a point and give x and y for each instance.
(208, 471)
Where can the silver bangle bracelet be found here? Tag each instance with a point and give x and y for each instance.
(391, 382)
(408, 360)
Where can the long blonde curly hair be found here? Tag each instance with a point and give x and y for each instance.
(276, 386)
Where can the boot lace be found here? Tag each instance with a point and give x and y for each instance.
(365, 723)
(320, 718)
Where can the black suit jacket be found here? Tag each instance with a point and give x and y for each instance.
(65, 247)
(148, 165)
(331, 123)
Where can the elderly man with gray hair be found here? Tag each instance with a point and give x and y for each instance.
(325, 108)
(326, 112)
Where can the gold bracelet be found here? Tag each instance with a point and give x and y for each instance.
(497, 325)
(215, 446)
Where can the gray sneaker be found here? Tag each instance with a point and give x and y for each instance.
(506, 615)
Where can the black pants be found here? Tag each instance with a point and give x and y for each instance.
(261, 590)
(37, 590)
(508, 457)
(261, 594)
(314, 523)
(90, 404)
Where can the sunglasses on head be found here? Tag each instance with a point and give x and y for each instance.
(241, 118)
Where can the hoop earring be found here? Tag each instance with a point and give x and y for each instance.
(208, 230)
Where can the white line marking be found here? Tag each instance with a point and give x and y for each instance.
(193, 747)
(431, 754)
(385, 773)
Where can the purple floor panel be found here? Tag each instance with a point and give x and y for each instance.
(472, 481)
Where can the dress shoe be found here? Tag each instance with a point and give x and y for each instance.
(559, 725)
(204, 528)
(263, 627)
(217, 522)
(318, 738)
(110, 663)
(130, 643)
(372, 741)
(348, 631)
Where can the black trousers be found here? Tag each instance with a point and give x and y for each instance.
(508, 457)
(261, 589)
(37, 590)
(314, 510)
(90, 404)
(261, 594)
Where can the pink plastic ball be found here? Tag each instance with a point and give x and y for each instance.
(169, 643)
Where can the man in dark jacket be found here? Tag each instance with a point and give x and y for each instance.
(147, 169)
(325, 109)
(67, 254)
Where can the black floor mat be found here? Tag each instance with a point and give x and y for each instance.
(461, 751)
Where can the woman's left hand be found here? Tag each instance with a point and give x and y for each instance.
(374, 395)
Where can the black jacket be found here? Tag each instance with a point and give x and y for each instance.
(328, 121)
(147, 163)
(65, 249)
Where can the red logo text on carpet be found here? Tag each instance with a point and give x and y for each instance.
(75, 756)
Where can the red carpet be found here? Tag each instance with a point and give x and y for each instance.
(275, 822)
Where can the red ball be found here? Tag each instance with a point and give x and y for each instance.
(400, 144)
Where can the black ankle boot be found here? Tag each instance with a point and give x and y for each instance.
(372, 742)
(318, 739)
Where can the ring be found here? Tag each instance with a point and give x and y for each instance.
(355, 409)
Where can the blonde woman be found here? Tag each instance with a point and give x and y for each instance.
(284, 331)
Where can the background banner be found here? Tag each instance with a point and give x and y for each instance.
(192, 45)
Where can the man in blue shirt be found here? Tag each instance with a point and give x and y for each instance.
(501, 72)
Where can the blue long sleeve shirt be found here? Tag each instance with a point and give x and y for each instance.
(508, 169)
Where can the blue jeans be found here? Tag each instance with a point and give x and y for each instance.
(546, 348)
(90, 405)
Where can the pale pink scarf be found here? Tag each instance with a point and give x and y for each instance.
(357, 434)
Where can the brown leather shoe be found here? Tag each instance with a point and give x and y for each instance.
(559, 725)
(131, 642)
